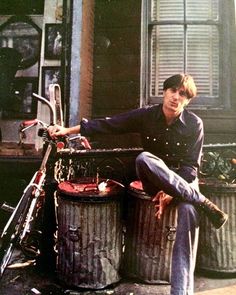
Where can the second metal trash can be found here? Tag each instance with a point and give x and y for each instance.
(148, 241)
(217, 248)
(89, 233)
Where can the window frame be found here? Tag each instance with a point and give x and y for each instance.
(223, 100)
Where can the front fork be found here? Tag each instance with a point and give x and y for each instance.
(30, 236)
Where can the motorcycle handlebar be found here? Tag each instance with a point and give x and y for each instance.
(42, 132)
(25, 125)
(52, 110)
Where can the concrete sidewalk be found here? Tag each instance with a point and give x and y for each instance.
(205, 285)
(231, 290)
(25, 279)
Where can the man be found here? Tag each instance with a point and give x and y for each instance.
(172, 139)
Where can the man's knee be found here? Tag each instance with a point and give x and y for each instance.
(142, 157)
(145, 157)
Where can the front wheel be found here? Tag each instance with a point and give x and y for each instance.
(11, 233)
(5, 256)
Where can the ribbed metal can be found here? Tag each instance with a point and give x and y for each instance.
(89, 233)
(148, 241)
(217, 248)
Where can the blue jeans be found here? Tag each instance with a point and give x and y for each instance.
(185, 250)
(155, 176)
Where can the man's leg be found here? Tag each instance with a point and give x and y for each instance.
(185, 250)
(156, 176)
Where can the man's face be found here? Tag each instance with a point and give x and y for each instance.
(174, 100)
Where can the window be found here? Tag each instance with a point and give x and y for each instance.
(187, 36)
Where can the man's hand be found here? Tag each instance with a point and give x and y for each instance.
(56, 130)
(162, 200)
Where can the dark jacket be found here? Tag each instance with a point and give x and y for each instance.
(179, 145)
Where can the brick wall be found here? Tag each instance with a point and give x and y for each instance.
(116, 56)
(116, 84)
(87, 59)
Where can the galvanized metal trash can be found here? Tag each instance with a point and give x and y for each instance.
(217, 248)
(89, 233)
(148, 241)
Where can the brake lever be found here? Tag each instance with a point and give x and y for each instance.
(23, 127)
(83, 140)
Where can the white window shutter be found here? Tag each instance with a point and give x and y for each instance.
(185, 38)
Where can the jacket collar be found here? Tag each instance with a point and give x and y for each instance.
(181, 118)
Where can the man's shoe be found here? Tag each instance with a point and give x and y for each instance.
(217, 217)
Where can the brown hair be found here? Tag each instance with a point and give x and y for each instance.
(181, 80)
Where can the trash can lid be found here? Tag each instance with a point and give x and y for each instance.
(88, 189)
(136, 190)
(137, 184)
(216, 185)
